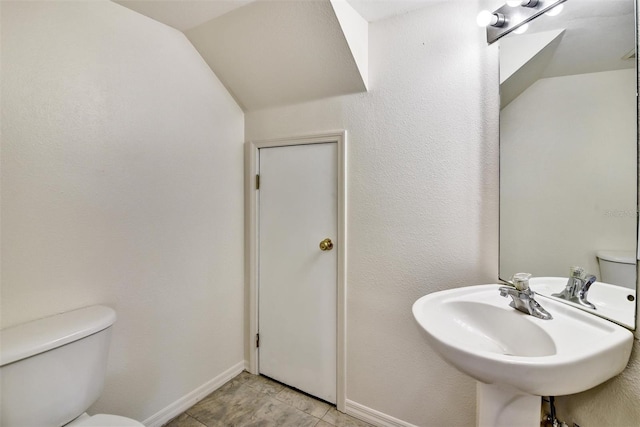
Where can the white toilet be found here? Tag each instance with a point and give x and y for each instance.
(53, 369)
(618, 268)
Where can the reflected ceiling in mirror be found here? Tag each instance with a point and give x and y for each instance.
(568, 146)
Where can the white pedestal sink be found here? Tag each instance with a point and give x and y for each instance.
(517, 358)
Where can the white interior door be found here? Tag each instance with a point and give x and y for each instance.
(298, 208)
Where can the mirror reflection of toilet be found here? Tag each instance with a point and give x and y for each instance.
(617, 268)
(53, 369)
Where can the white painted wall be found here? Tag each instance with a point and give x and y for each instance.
(568, 173)
(612, 404)
(422, 196)
(122, 185)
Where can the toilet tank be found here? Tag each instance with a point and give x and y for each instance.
(53, 369)
(618, 268)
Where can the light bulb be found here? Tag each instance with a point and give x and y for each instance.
(556, 10)
(495, 19)
(514, 3)
(521, 29)
(484, 18)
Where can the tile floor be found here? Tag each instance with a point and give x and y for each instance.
(255, 401)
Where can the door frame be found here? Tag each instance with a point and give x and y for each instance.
(251, 247)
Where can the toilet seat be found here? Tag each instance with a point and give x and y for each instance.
(104, 420)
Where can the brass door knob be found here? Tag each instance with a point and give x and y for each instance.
(326, 245)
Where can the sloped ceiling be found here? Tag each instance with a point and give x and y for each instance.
(523, 61)
(272, 53)
(183, 14)
(187, 14)
(277, 52)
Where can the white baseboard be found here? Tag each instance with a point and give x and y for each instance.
(171, 411)
(372, 416)
(179, 406)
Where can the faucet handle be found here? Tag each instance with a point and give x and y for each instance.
(576, 272)
(521, 281)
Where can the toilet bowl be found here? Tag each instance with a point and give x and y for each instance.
(618, 268)
(53, 369)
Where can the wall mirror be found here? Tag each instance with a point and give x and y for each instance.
(569, 153)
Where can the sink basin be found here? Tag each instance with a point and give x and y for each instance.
(612, 302)
(475, 330)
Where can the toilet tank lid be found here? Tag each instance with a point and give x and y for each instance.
(624, 257)
(35, 337)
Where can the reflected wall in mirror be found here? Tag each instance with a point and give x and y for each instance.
(568, 152)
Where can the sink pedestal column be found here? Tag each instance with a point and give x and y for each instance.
(502, 406)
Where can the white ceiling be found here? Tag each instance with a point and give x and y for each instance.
(187, 14)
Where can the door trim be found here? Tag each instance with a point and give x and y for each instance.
(251, 247)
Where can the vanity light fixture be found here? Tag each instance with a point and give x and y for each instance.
(513, 15)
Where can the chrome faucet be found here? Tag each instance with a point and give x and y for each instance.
(578, 287)
(523, 297)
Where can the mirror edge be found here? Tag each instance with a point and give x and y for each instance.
(637, 13)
